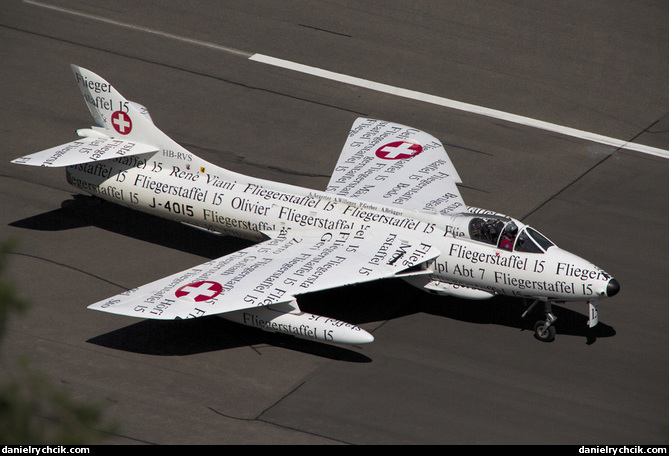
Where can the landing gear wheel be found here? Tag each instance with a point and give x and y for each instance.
(543, 333)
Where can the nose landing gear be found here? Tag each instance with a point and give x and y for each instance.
(544, 330)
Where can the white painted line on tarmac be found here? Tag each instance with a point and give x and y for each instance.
(453, 104)
(376, 86)
(138, 28)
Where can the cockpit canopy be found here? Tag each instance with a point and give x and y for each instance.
(503, 232)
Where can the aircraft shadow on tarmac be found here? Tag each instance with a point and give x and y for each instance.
(357, 304)
(371, 302)
(82, 211)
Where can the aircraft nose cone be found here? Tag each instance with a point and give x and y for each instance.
(612, 288)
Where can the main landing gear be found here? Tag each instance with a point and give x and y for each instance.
(544, 330)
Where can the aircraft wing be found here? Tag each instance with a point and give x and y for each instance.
(273, 272)
(85, 150)
(392, 164)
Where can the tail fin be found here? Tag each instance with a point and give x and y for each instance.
(116, 116)
(123, 128)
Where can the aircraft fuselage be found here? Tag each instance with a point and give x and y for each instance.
(195, 192)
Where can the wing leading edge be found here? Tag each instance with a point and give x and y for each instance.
(274, 272)
(392, 164)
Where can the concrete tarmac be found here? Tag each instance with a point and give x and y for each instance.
(441, 371)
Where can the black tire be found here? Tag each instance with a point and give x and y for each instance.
(542, 333)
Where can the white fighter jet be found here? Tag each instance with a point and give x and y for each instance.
(391, 210)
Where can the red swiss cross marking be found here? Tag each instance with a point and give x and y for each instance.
(121, 122)
(199, 291)
(398, 150)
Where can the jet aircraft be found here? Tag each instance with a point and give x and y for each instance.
(391, 209)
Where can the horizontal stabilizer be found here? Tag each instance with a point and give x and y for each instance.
(83, 151)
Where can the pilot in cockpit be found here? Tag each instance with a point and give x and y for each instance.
(508, 236)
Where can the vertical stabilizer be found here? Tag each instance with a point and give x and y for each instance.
(117, 117)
